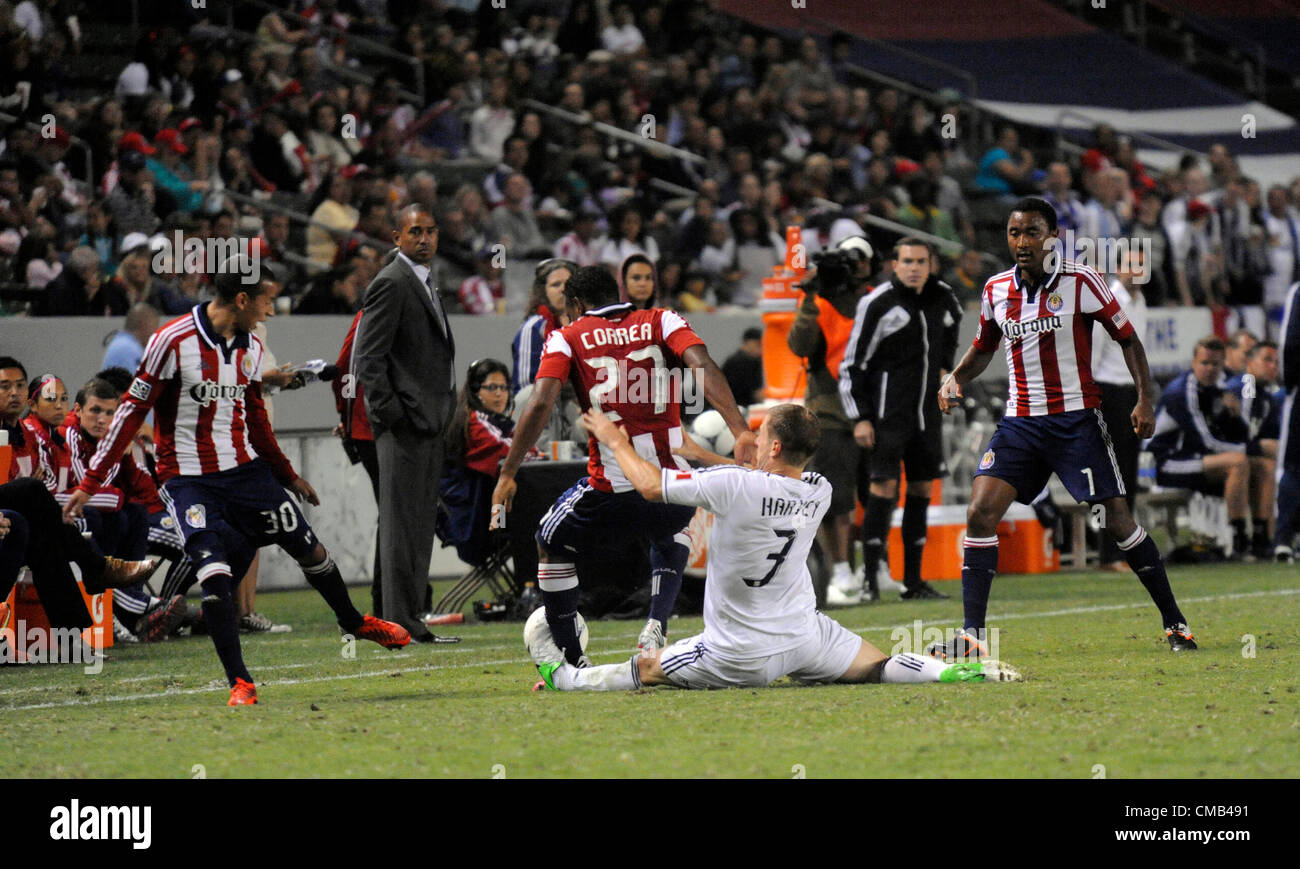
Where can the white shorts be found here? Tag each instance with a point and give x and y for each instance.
(823, 657)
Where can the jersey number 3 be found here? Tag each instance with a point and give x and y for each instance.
(776, 557)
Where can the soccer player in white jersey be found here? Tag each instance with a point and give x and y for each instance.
(760, 611)
(618, 360)
(1043, 309)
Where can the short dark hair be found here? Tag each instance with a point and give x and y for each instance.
(753, 333)
(230, 281)
(909, 241)
(118, 376)
(98, 387)
(1213, 343)
(798, 430)
(1260, 345)
(1035, 205)
(10, 362)
(591, 285)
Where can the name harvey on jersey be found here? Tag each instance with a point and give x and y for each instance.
(788, 507)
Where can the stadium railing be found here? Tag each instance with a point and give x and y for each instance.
(1063, 144)
(299, 217)
(648, 145)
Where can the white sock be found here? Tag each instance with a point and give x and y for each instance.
(841, 575)
(908, 667)
(607, 677)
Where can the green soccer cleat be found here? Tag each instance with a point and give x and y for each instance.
(547, 672)
(980, 671)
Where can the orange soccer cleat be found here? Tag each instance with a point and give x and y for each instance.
(387, 634)
(244, 693)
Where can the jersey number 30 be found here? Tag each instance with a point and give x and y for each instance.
(776, 557)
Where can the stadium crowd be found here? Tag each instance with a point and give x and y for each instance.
(219, 132)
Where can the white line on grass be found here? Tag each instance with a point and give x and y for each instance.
(388, 671)
(130, 679)
(1100, 608)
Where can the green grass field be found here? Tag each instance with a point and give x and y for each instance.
(1102, 689)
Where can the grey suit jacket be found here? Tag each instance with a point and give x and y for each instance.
(404, 355)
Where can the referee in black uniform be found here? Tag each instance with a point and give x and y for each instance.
(903, 342)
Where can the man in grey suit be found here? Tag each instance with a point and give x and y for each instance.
(404, 362)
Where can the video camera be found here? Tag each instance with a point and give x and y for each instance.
(835, 268)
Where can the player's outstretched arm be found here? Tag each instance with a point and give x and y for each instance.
(645, 477)
(972, 365)
(1144, 414)
(718, 392)
(693, 452)
(531, 423)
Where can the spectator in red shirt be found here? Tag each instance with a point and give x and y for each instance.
(480, 433)
(47, 398)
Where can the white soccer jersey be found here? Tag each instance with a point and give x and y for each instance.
(1049, 336)
(758, 595)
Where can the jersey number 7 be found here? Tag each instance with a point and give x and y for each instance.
(777, 558)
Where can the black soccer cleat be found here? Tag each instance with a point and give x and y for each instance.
(963, 646)
(1180, 638)
(922, 591)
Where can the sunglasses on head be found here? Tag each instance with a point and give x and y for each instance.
(553, 263)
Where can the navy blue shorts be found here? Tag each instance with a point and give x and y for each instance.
(243, 507)
(1026, 450)
(1187, 472)
(584, 517)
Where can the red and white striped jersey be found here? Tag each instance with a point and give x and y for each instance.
(618, 360)
(207, 401)
(1049, 336)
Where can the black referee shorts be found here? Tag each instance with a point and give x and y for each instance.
(841, 461)
(920, 452)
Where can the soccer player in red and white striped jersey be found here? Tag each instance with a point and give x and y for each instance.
(618, 360)
(224, 476)
(1043, 310)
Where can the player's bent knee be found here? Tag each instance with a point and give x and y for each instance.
(981, 520)
(316, 557)
(649, 671)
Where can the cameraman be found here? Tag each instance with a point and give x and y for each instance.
(820, 334)
(903, 341)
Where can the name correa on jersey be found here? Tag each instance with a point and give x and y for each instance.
(637, 332)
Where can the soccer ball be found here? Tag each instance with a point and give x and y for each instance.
(536, 629)
(710, 431)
